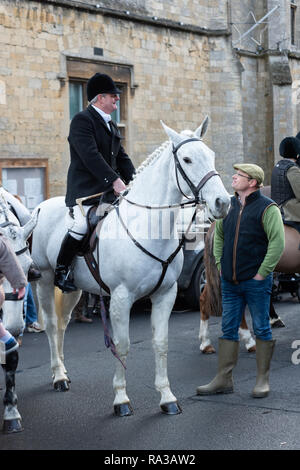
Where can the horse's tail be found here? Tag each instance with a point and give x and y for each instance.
(210, 299)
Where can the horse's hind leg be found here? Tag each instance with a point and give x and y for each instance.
(275, 319)
(120, 305)
(162, 304)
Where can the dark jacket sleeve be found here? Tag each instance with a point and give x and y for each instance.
(82, 138)
(10, 266)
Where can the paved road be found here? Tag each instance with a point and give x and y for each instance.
(83, 417)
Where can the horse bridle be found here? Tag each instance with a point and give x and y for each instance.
(178, 168)
(7, 223)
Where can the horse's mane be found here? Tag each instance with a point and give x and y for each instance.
(210, 299)
(149, 161)
(154, 156)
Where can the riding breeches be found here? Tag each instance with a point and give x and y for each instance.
(77, 224)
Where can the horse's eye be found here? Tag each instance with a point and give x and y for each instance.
(187, 160)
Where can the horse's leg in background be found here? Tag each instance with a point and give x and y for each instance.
(275, 319)
(246, 336)
(205, 344)
(162, 304)
(12, 417)
(120, 305)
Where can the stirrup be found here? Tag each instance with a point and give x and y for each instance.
(63, 281)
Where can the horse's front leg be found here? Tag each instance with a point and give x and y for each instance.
(120, 305)
(45, 291)
(246, 336)
(205, 344)
(64, 305)
(162, 304)
(12, 417)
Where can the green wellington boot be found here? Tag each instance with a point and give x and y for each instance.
(264, 352)
(223, 383)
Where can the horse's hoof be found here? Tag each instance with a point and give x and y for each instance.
(171, 408)
(62, 386)
(123, 409)
(252, 349)
(12, 425)
(208, 350)
(278, 324)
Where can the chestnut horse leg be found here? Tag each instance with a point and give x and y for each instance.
(205, 344)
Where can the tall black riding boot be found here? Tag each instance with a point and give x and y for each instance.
(68, 250)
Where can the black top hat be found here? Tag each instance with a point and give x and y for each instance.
(289, 147)
(101, 83)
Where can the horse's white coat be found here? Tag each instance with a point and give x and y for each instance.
(129, 273)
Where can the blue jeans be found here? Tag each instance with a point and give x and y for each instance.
(31, 314)
(235, 297)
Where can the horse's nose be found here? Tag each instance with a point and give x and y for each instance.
(221, 206)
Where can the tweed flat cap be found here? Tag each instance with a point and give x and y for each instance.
(254, 171)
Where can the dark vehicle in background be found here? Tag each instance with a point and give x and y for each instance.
(192, 278)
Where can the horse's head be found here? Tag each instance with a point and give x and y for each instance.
(10, 227)
(195, 172)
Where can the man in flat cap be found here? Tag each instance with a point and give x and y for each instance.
(98, 164)
(285, 182)
(248, 244)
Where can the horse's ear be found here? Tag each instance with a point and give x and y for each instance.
(175, 138)
(201, 131)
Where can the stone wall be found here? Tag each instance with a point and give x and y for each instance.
(183, 67)
(171, 69)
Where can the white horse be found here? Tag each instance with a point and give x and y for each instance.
(182, 166)
(13, 310)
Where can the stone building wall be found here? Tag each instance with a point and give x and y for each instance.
(171, 75)
(182, 66)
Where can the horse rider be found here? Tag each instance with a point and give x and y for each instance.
(285, 182)
(10, 268)
(98, 164)
(248, 244)
(23, 216)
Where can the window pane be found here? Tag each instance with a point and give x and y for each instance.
(28, 183)
(116, 115)
(75, 97)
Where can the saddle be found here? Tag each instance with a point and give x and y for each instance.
(89, 243)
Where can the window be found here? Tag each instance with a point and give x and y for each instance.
(293, 21)
(80, 70)
(76, 102)
(78, 99)
(27, 179)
